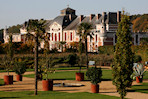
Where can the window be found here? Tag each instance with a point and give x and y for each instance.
(96, 38)
(59, 36)
(71, 36)
(55, 37)
(137, 39)
(52, 36)
(65, 36)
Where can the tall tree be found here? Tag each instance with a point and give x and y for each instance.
(36, 28)
(84, 30)
(123, 57)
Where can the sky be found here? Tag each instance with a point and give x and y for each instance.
(13, 12)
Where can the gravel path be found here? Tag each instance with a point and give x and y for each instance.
(106, 87)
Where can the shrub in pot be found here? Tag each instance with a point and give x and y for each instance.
(139, 70)
(8, 79)
(19, 68)
(47, 65)
(94, 74)
(80, 75)
(8, 61)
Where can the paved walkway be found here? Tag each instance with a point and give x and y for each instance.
(106, 87)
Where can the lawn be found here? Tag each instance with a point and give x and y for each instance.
(141, 88)
(70, 75)
(1, 82)
(53, 95)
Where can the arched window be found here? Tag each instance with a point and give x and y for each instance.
(59, 36)
(65, 36)
(71, 36)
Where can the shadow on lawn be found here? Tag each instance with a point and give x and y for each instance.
(8, 97)
(137, 90)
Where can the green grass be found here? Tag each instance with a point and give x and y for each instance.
(1, 82)
(145, 75)
(141, 88)
(70, 75)
(53, 95)
(69, 68)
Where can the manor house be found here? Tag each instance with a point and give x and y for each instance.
(63, 28)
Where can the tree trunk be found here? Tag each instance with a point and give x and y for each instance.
(86, 52)
(36, 63)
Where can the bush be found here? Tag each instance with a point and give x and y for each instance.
(94, 74)
(106, 50)
(19, 68)
(72, 59)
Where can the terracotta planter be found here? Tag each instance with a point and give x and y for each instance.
(8, 79)
(47, 85)
(18, 77)
(94, 88)
(79, 76)
(139, 80)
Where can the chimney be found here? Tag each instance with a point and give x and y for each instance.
(118, 16)
(91, 16)
(103, 14)
(81, 18)
(98, 16)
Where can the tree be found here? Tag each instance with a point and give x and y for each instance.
(84, 30)
(36, 29)
(123, 57)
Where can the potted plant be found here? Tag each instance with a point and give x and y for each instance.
(139, 70)
(8, 79)
(80, 75)
(8, 62)
(47, 68)
(94, 74)
(19, 68)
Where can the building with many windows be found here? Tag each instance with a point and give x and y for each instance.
(63, 28)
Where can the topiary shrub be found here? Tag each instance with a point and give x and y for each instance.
(94, 74)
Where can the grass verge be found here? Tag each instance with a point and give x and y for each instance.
(70, 75)
(141, 88)
(53, 95)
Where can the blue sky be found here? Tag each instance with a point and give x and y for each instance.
(15, 12)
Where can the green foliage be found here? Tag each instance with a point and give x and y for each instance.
(123, 58)
(137, 58)
(94, 74)
(19, 67)
(106, 50)
(140, 23)
(7, 63)
(14, 29)
(144, 41)
(139, 70)
(72, 59)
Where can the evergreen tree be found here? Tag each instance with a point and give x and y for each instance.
(123, 57)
